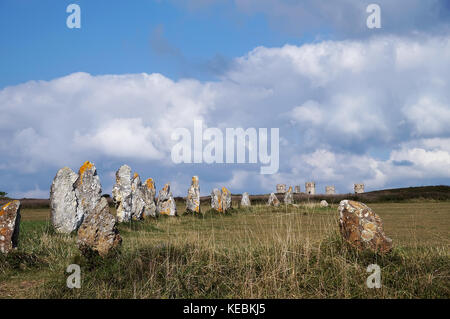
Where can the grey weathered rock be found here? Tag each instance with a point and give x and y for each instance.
(122, 194)
(216, 199)
(281, 188)
(9, 226)
(98, 232)
(273, 200)
(88, 189)
(359, 188)
(323, 203)
(245, 200)
(297, 189)
(289, 197)
(310, 188)
(221, 200)
(362, 228)
(330, 190)
(64, 214)
(193, 196)
(137, 198)
(165, 205)
(149, 192)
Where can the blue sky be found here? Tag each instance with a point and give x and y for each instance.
(352, 104)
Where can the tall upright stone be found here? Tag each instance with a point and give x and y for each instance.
(330, 190)
(122, 194)
(98, 232)
(297, 189)
(245, 200)
(64, 215)
(137, 198)
(359, 188)
(362, 228)
(289, 197)
(193, 196)
(273, 200)
(9, 226)
(310, 188)
(88, 189)
(221, 200)
(149, 192)
(165, 204)
(226, 199)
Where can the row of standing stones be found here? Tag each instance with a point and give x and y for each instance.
(77, 206)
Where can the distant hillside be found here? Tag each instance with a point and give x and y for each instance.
(439, 193)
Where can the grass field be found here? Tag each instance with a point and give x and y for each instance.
(262, 252)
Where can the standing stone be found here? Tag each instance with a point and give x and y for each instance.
(64, 214)
(137, 198)
(98, 232)
(310, 188)
(330, 190)
(359, 188)
(226, 199)
(245, 200)
(289, 197)
(165, 204)
(297, 189)
(122, 194)
(9, 226)
(88, 189)
(273, 200)
(323, 203)
(216, 200)
(362, 228)
(193, 196)
(281, 188)
(149, 192)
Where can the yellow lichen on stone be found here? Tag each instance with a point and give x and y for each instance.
(87, 165)
(136, 175)
(149, 183)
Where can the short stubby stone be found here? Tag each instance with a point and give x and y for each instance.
(9, 226)
(273, 200)
(88, 189)
(330, 190)
(362, 228)
(245, 200)
(281, 188)
(98, 232)
(64, 215)
(310, 188)
(122, 194)
(297, 189)
(359, 188)
(193, 196)
(165, 204)
(323, 203)
(289, 197)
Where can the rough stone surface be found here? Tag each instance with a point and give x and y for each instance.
(149, 192)
(310, 188)
(330, 190)
(323, 203)
(9, 226)
(226, 199)
(297, 189)
(359, 188)
(362, 228)
(245, 200)
(193, 196)
(273, 200)
(64, 214)
(165, 204)
(122, 194)
(137, 198)
(98, 232)
(88, 189)
(281, 188)
(289, 197)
